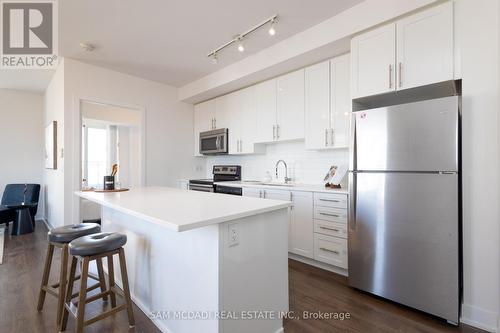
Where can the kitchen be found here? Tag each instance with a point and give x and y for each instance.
(352, 150)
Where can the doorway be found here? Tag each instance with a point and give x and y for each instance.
(110, 135)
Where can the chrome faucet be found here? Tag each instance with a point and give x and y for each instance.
(286, 171)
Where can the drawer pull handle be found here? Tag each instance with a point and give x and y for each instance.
(329, 200)
(326, 228)
(328, 250)
(326, 214)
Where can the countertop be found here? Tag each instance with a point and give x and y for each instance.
(182, 210)
(295, 187)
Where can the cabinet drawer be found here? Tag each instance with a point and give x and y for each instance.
(333, 200)
(330, 250)
(330, 228)
(330, 214)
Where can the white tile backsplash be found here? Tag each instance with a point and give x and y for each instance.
(304, 166)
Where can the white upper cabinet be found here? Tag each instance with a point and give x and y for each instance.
(317, 105)
(290, 124)
(340, 102)
(328, 104)
(373, 61)
(243, 121)
(425, 47)
(204, 115)
(414, 51)
(222, 112)
(266, 109)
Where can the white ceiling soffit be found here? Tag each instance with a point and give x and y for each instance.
(35, 80)
(168, 41)
(324, 40)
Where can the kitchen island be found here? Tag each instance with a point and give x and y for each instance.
(202, 262)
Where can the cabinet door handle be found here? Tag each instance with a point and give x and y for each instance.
(331, 136)
(274, 132)
(328, 250)
(215, 123)
(329, 200)
(264, 194)
(327, 214)
(400, 70)
(326, 137)
(390, 76)
(326, 228)
(277, 132)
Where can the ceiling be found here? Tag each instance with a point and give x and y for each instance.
(167, 41)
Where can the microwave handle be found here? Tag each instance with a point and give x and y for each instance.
(217, 142)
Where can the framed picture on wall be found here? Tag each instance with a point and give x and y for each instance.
(51, 145)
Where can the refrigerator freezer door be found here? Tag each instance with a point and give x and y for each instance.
(404, 243)
(421, 136)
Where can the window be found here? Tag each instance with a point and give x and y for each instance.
(96, 148)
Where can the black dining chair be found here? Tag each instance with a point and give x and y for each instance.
(15, 194)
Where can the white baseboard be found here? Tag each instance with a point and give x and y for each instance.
(480, 318)
(318, 264)
(49, 226)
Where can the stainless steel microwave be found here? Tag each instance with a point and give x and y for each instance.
(214, 142)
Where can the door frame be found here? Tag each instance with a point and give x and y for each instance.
(77, 146)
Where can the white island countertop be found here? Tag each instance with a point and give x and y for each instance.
(182, 210)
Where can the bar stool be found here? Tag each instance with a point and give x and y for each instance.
(60, 238)
(86, 249)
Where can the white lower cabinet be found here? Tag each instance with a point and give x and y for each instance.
(318, 223)
(252, 192)
(301, 225)
(330, 228)
(330, 250)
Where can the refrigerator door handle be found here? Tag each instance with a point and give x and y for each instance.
(352, 143)
(352, 200)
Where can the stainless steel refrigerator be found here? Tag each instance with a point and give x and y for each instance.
(404, 205)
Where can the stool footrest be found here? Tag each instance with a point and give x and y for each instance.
(105, 314)
(93, 277)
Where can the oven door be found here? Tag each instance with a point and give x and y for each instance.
(214, 142)
(201, 187)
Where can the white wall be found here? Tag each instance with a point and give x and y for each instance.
(21, 139)
(304, 166)
(478, 37)
(53, 180)
(168, 125)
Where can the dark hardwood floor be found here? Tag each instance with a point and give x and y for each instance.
(311, 289)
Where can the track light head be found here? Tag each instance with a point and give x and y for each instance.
(215, 59)
(272, 30)
(241, 46)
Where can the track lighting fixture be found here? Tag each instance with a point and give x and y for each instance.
(238, 39)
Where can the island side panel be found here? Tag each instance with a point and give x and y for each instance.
(254, 272)
(169, 271)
